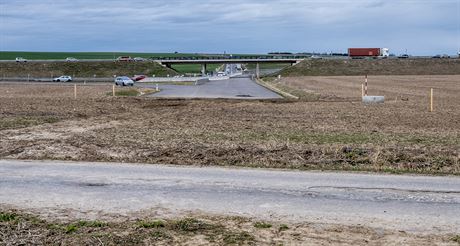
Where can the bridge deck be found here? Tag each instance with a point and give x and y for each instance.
(229, 61)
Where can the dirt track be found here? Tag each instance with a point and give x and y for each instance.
(397, 136)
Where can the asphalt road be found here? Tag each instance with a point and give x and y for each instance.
(412, 203)
(234, 88)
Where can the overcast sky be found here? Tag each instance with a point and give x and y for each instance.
(422, 27)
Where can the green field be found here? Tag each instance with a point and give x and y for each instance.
(11, 55)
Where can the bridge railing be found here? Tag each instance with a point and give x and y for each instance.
(189, 58)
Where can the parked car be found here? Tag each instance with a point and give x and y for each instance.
(445, 56)
(139, 59)
(138, 77)
(125, 58)
(20, 59)
(124, 81)
(71, 59)
(63, 78)
(436, 57)
(403, 56)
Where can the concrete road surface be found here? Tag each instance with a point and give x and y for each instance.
(235, 88)
(412, 203)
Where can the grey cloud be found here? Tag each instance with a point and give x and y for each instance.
(240, 25)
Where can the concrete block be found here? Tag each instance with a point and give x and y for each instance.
(373, 99)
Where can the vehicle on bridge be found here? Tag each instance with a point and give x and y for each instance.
(71, 59)
(125, 58)
(316, 57)
(139, 59)
(20, 59)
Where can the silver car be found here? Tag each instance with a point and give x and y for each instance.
(71, 59)
(124, 81)
(63, 78)
(139, 59)
(20, 59)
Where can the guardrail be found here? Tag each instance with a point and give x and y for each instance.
(111, 80)
(34, 79)
(171, 79)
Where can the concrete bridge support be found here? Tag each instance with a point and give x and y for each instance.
(258, 70)
(203, 69)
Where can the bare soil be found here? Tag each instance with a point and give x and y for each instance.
(31, 228)
(330, 130)
(43, 121)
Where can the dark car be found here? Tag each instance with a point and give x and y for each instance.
(403, 56)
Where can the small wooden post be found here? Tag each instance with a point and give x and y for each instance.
(365, 86)
(431, 100)
(75, 91)
(113, 90)
(362, 90)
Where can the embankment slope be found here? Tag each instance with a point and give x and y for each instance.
(374, 67)
(83, 69)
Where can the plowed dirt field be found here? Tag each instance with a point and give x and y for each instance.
(44, 121)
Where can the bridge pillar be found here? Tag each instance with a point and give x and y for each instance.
(258, 70)
(203, 69)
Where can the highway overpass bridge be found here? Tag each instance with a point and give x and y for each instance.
(204, 62)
